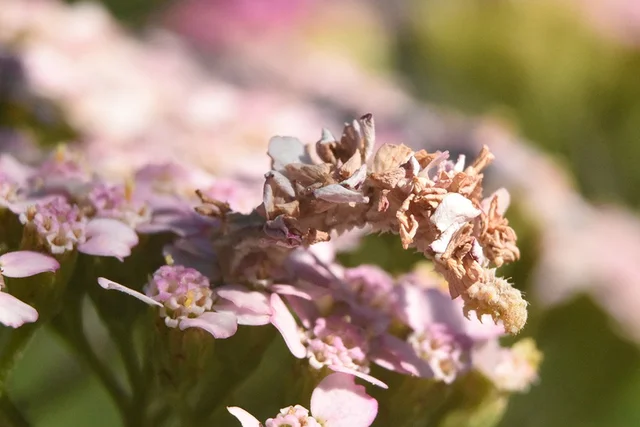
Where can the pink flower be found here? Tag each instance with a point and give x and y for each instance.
(60, 227)
(13, 312)
(185, 300)
(512, 369)
(336, 402)
(118, 202)
(441, 335)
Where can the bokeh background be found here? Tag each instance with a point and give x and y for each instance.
(552, 86)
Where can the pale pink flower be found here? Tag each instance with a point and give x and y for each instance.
(185, 300)
(13, 312)
(336, 402)
(512, 369)
(441, 335)
(119, 202)
(60, 227)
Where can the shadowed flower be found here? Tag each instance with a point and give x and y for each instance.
(334, 341)
(14, 312)
(185, 299)
(336, 402)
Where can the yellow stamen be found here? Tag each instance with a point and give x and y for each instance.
(189, 300)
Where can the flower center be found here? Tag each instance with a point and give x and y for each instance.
(441, 349)
(293, 416)
(335, 341)
(184, 292)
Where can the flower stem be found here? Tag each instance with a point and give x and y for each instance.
(69, 327)
(13, 349)
(11, 414)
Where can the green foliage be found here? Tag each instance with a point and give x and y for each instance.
(567, 88)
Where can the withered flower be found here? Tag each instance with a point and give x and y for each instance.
(433, 203)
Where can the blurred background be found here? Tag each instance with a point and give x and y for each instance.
(552, 86)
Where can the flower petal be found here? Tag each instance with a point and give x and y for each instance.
(361, 375)
(357, 178)
(243, 315)
(397, 355)
(245, 418)
(113, 228)
(111, 285)
(105, 246)
(220, 325)
(26, 263)
(339, 402)
(109, 237)
(14, 312)
(336, 193)
(504, 200)
(291, 290)
(283, 320)
(287, 149)
(455, 209)
(255, 301)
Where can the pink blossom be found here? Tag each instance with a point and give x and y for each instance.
(512, 369)
(336, 402)
(185, 300)
(118, 202)
(60, 227)
(13, 312)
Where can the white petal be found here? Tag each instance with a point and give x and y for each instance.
(454, 209)
(111, 285)
(336, 193)
(26, 263)
(361, 375)
(245, 418)
(284, 150)
(220, 325)
(283, 320)
(339, 402)
(14, 312)
(357, 178)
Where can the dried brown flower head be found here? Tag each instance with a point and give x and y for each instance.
(434, 204)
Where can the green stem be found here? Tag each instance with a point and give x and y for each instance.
(69, 328)
(13, 350)
(138, 380)
(11, 414)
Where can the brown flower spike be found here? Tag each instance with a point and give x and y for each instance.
(434, 204)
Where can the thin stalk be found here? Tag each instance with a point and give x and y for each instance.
(69, 328)
(11, 414)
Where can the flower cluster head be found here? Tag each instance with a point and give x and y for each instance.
(185, 300)
(182, 291)
(334, 341)
(59, 226)
(441, 348)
